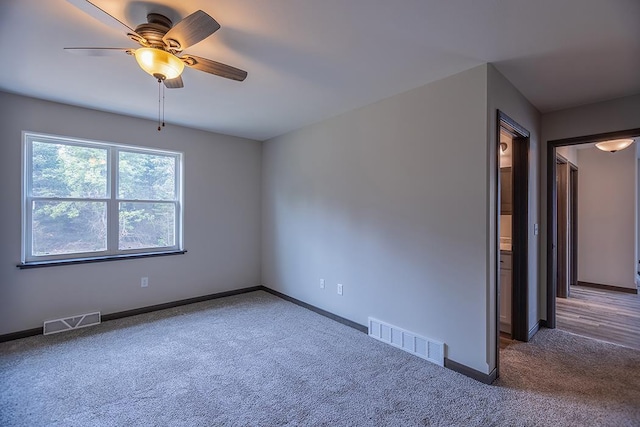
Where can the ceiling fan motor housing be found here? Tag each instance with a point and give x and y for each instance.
(153, 31)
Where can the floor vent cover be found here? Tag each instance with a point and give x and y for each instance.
(426, 348)
(69, 323)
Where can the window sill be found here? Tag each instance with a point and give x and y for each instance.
(38, 264)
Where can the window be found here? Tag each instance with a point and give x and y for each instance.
(91, 200)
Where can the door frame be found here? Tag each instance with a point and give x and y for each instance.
(567, 245)
(552, 208)
(573, 219)
(520, 226)
(562, 219)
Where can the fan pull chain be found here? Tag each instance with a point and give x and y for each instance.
(163, 89)
(159, 109)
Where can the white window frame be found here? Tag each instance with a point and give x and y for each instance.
(112, 201)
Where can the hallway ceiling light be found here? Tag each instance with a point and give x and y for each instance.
(614, 145)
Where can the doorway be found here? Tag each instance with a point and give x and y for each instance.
(513, 225)
(562, 235)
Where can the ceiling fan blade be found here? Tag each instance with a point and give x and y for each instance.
(95, 11)
(174, 83)
(191, 30)
(98, 51)
(213, 67)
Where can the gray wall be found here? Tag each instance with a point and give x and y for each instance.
(609, 116)
(606, 215)
(503, 96)
(391, 201)
(570, 153)
(221, 224)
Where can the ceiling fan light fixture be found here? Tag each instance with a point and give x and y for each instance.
(159, 63)
(614, 145)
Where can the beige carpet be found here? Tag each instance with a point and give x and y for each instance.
(256, 360)
(594, 382)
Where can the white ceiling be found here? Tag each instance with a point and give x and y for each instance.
(312, 59)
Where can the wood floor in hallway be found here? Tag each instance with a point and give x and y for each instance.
(601, 314)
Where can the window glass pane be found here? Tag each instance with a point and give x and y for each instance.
(68, 227)
(78, 205)
(146, 176)
(146, 225)
(60, 170)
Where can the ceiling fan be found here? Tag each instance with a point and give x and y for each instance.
(162, 44)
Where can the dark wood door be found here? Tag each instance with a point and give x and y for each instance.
(573, 225)
(562, 183)
(520, 239)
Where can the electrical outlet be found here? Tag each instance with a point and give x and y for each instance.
(321, 283)
(144, 282)
(339, 288)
